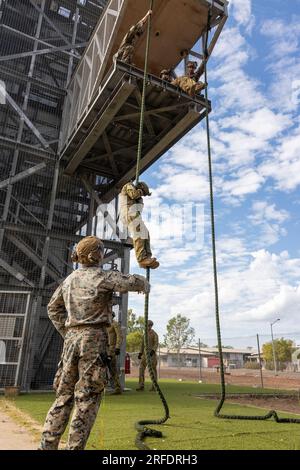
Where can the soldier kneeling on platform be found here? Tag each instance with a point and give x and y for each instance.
(126, 50)
(80, 309)
(131, 207)
(190, 83)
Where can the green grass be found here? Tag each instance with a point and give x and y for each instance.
(192, 425)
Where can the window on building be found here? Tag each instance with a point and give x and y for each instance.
(64, 12)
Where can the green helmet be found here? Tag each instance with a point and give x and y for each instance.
(145, 188)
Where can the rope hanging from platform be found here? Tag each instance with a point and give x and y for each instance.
(141, 426)
(217, 412)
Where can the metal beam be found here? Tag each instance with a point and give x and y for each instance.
(107, 217)
(53, 25)
(155, 111)
(110, 154)
(43, 52)
(103, 119)
(148, 122)
(26, 148)
(22, 175)
(32, 38)
(188, 121)
(13, 272)
(29, 252)
(27, 121)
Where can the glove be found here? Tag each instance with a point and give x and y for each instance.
(152, 352)
(117, 351)
(140, 356)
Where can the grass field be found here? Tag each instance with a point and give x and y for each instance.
(192, 425)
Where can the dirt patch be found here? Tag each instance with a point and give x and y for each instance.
(18, 430)
(244, 377)
(290, 405)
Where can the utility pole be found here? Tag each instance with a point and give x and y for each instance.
(273, 346)
(260, 365)
(200, 364)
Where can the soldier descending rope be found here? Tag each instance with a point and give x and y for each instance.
(131, 205)
(81, 310)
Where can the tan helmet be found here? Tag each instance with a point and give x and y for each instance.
(89, 251)
(145, 188)
(150, 323)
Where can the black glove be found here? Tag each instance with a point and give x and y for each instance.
(117, 351)
(140, 356)
(152, 352)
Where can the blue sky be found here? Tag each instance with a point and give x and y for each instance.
(254, 84)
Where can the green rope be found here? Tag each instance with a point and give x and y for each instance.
(142, 117)
(141, 426)
(217, 412)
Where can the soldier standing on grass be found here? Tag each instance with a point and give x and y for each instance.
(153, 346)
(81, 310)
(115, 339)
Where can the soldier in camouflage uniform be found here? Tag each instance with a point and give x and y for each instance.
(131, 207)
(126, 50)
(115, 339)
(80, 310)
(153, 346)
(190, 83)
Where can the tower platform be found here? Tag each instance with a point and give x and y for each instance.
(106, 139)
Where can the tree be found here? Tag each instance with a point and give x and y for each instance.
(135, 329)
(179, 334)
(133, 341)
(283, 351)
(134, 323)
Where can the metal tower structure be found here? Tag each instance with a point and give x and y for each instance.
(68, 139)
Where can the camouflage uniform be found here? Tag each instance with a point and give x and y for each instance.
(131, 206)
(190, 84)
(153, 346)
(80, 310)
(115, 339)
(126, 50)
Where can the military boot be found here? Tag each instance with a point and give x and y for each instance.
(149, 263)
(140, 388)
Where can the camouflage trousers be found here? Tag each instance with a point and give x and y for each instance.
(143, 366)
(141, 237)
(188, 85)
(125, 54)
(79, 382)
(115, 377)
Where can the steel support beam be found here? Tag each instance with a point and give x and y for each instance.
(22, 175)
(103, 120)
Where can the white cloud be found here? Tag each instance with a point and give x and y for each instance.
(242, 13)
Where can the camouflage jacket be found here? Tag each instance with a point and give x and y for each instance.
(130, 196)
(115, 337)
(130, 37)
(152, 340)
(85, 297)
